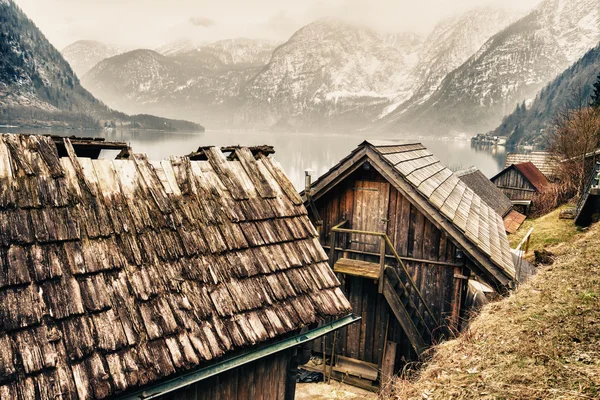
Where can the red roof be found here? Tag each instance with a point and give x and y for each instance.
(533, 175)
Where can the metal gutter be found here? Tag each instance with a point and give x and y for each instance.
(196, 376)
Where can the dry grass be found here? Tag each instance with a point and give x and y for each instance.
(542, 342)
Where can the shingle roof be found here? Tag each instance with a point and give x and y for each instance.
(533, 175)
(458, 203)
(513, 221)
(486, 189)
(541, 159)
(118, 273)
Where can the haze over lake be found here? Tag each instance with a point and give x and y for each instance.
(296, 152)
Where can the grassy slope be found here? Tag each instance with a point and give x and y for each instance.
(548, 230)
(542, 342)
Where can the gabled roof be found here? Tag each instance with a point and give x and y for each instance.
(533, 175)
(441, 195)
(543, 160)
(119, 273)
(484, 188)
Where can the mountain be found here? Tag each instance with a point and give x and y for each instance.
(38, 87)
(240, 51)
(82, 55)
(510, 67)
(200, 84)
(450, 44)
(530, 125)
(330, 73)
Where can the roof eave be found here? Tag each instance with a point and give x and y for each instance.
(253, 354)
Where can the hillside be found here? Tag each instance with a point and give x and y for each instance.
(39, 88)
(510, 67)
(531, 125)
(542, 342)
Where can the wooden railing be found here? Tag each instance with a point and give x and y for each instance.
(522, 247)
(593, 181)
(384, 242)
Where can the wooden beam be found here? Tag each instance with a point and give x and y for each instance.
(381, 263)
(337, 173)
(391, 257)
(388, 363)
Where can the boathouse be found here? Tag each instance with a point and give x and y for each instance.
(493, 197)
(176, 279)
(521, 183)
(404, 235)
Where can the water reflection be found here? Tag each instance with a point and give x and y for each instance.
(296, 152)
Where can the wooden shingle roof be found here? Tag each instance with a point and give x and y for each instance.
(120, 273)
(442, 196)
(543, 160)
(532, 174)
(480, 184)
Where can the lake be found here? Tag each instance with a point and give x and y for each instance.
(294, 151)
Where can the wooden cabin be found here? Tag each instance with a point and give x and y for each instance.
(543, 161)
(588, 207)
(493, 197)
(521, 183)
(404, 235)
(176, 279)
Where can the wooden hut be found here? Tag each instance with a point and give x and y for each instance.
(521, 183)
(176, 279)
(493, 196)
(543, 160)
(404, 235)
(588, 207)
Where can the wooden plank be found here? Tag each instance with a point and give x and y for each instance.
(354, 329)
(357, 268)
(407, 167)
(388, 363)
(403, 318)
(400, 148)
(358, 368)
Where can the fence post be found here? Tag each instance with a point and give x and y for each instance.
(381, 263)
(332, 237)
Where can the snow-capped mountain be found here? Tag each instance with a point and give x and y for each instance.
(330, 73)
(82, 55)
(452, 42)
(509, 68)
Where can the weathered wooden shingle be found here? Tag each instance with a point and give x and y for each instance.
(117, 273)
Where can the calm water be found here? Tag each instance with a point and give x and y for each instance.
(295, 151)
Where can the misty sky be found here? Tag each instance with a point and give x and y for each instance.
(151, 23)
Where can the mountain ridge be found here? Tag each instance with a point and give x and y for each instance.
(38, 86)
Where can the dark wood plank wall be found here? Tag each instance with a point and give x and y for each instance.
(263, 379)
(414, 236)
(514, 185)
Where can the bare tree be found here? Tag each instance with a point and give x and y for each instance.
(575, 136)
